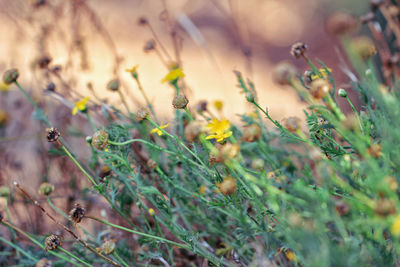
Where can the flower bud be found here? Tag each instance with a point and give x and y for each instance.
(52, 134)
(292, 124)
(298, 50)
(342, 92)
(385, 207)
(89, 139)
(284, 73)
(100, 139)
(257, 164)
(45, 189)
(10, 76)
(180, 102)
(113, 85)
(364, 47)
(375, 150)
(201, 106)
(250, 97)
(141, 114)
(151, 164)
(319, 88)
(53, 242)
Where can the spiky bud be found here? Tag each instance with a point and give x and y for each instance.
(180, 102)
(52, 134)
(100, 139)
(298, 50)
(45, 189)
(142, 114)
(113, 85)
(10, 76)
(77, 213)
(53, 242)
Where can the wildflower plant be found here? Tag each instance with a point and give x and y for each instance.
(316, 192)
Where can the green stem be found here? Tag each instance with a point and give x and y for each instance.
(120, 259)
(73, 256)
(56, 209)
(355, 113)
(94, 128)
(17, 248)
(121, 95)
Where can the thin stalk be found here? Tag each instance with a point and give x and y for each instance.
(139, 84)
(355, 113)
(121, 95)
(94, 128)
(17, 248)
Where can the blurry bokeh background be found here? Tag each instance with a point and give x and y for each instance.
(94, 41)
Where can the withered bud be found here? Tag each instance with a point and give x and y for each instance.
(45, 189)
(375, 150)
(44, 263)
(5, 191)
(298, 50)
(113, 85)
(150, 45)
(251, 133)
(108, 246)
(319, 88)
(52, 242)
(77, 213)
(44, 62)
(142, 21)
(100, 139)
(385, 207)
(368, 18)
(180, 102)
(142, 114)
(292, 124)
(341, 23)
(193, 130)
(284, 73)
(201, 106)
(52, 134)
(228, 186)
(10, 76)
(151, 164)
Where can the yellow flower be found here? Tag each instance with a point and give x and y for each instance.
(218, 104)
(4, 87)
(290, 255)
(395, 228)
(202, 190)
(173, 75)
(151, 211)
(133, 71)
(322, 72)
(80, 105)
(158, 131)
(219, 129)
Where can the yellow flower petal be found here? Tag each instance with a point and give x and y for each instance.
(173, 75)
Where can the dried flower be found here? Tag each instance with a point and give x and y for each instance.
(219, 129)
(319, 88)
(180, 102)
(53, 242)
(141, 114)
(113, 85)
(77, 213)
(292, 124)
(298, 50)
(151, 212)
(45, 189)
(10, 76)
(80, 105)
(44, 62)
(52, 134)
(284, 73)
(100, 139)
(151, 163)
(133, 71)
(341, 23)
(375, 150)
(44, 263)
(173, 76)
(157, 129)
(228, 186)
(251, 133)
(107, 247)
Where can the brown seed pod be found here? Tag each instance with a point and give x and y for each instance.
(298, 50)
(52, 134)
(284, 73)
(292, 124)
(100, 139)
(77, 213)
(52, 242)
(141, 114)
(113, 85)
(180, 102)
(10, 76)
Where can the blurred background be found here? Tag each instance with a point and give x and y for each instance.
(75, 47)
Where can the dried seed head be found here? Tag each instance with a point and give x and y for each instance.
(375, 151)
(45, 189)
(108, 246)
(228, 186)
(341, 23)
(149, 46)
(5, 191)
(298, 50)
(251, 133)
(142, 21)
(44, 62)
(385, 207)
(52, 242)
(292, 124)
(142, 114)
(52, 134)
(100, 139)
(319, 88)
(284, 73)
(180, 102)
(77, 213)
(364, 46)
(10, 76)
(201, 106)
(193, 130)
(44, 263)
(113, 85)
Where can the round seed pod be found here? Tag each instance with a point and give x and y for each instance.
(100, 139)
(180, 102)
(52, 242)
(113, 85)
(77, 213)
(45, 189)
(298, 50)
(10, 76)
